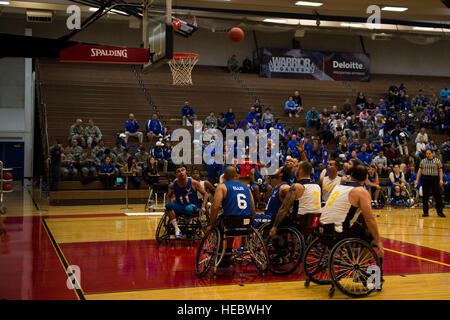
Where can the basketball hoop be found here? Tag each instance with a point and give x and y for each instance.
(181, 66)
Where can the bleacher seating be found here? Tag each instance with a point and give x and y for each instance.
(108, 93)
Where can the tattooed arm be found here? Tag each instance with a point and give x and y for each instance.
(294, 193)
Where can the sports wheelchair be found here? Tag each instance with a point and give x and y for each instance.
(192, 231)
(287, 249)
(350, 264)
(212, 249)
(406, 201)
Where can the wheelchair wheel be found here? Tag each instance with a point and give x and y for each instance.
(350, 265)
(258, 251)
(315, 263)
(381, 200)
(207, 253)
(285, 252)
(203, 218)
(164, 229)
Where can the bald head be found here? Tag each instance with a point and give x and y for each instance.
(230, 173)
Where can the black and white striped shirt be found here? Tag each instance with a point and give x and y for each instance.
(430, 167)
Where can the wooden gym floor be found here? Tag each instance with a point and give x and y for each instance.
(118, 257)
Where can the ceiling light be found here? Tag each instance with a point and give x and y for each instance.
(275, 20)
(4, 2)
(423, 28)
(351, 25)
(308, 3)
(396, 9)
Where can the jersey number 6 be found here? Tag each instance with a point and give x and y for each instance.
(241, 202)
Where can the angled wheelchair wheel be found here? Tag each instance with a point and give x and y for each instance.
(381, 200)
(351, 264)
(164, 229)
(258, 251)
(315, 263)
(285, 251)
(207, 253)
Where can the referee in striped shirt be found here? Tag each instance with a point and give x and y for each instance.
(430, 169)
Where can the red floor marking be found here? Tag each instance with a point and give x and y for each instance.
(29, 265)
(142, 264)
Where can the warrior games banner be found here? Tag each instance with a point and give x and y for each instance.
(308, 64)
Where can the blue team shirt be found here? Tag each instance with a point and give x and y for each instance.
(274, 203)
(186, 195)
(238, 199)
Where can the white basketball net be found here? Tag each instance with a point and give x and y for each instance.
(181, 66)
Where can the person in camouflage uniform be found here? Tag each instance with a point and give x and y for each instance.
(141, 159)
(77, 132)
(68, 169)
(76, 151)
(89, 163)
(92, 133)
(99, 149)
(121, 160)
(120, 145)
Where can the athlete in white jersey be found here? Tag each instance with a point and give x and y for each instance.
(328, 182)
(206, 185)
(345, 205)
(306, 192)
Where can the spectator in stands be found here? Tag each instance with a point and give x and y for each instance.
(233, 64)
(355, 145)
(334, 111)
(417, 103)
(364, 156)
(325, 113)
(230, 117)
(381, 106)
(68, 169)
(421, 135)
(122, 160)
(444, 96)
(92, 133)
(89, 163)
(347, 108)
(150, 174)
(250, 116)
(99, 149)
(393, 155)
(142, 158)
(432, 145)
(133, 170)
(157, 152)
(267, 119)
(76, 151)
(77, 132)
(154, 127)
(393, 93)
(402, 143)
(360, 101)
(247, 65)
(434, 101)
(312, 118)
(222, 123)
(298, 101)
(55, 164)
(420, 149)
(425, 119)
(211, 121)
(290, 108)
(382, 163)
(440, 124)
(369, 104)
(107, 173)
(132, 129)
(111, 155)
(445, 150)
(168, 155)
(187, 114)
(258, 108)
(120, 144)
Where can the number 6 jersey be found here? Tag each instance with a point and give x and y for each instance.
(338, 209)
(238, 200)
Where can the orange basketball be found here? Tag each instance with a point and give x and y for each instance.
(7, 176)
(7, 187)
(236, 34)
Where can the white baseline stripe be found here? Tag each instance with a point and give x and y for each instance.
(144, 213)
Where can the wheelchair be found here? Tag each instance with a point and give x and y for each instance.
(212, 248)
(406, 201)
(382, 199)
(346, 263)
(286, 251)
(192, 231)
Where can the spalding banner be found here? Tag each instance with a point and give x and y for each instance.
(308, 64)
(104, 54)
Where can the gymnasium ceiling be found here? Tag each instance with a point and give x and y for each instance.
(420, 12)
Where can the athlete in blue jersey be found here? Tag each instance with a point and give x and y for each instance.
(279, 192)
(397, 183)
(259, 183)
(372, 184)
(183, 198)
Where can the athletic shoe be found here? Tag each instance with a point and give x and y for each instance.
(179, 235)
(441, 215)
(425, 215)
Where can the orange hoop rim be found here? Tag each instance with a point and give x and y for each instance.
(184, 55)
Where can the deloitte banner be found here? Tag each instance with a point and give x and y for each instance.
(308, 64)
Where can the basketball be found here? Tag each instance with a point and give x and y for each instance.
(236, 34)
(7, 176)
(7, 187)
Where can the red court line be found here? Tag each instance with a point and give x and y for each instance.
(29, 265)
(143, 265)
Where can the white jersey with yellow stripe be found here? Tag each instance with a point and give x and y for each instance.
(309, 202)
(338, 209)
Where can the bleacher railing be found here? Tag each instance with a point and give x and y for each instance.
(241, 82)
(42, 108)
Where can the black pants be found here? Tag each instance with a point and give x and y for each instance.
(56, 174)
(108, 181)
(430, 185)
